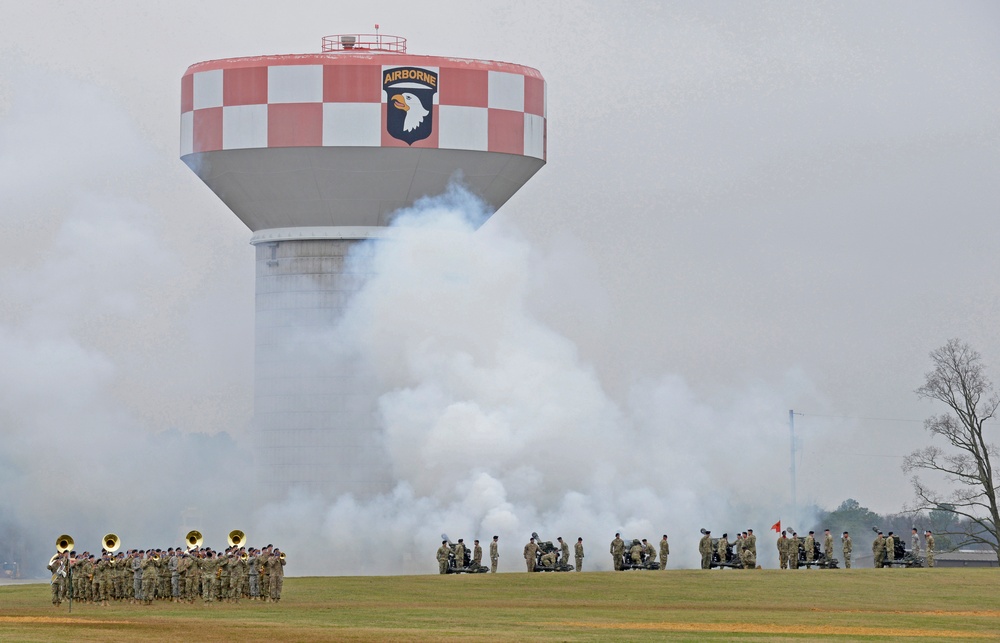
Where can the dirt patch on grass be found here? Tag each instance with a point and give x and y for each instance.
(807, 630)
(55, 620)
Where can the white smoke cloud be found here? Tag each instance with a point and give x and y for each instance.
(493, 422)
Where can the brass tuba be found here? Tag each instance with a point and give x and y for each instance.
(64, 543)
(194, 539)
(112, 542)
(236, 538)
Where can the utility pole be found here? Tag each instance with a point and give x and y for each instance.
(791, 430)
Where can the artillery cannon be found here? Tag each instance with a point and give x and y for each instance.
(645, 561)
(729, 559)
(465, 565)
(547, 557)
(902, 557)
(819, 559)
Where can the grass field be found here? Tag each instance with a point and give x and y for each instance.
(766, 605)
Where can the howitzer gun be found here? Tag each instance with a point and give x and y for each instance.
(901, 556)
(727, 559)
(547, 557)
(818, 559)
(465, 565)
(645, 560)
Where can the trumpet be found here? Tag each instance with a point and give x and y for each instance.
(236, 538)
(112, 542)
(282, 556)
(64, 543)
(244, 556)
(194, 539)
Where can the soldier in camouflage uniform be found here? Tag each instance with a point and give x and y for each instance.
(59, 567)
(253, 574)
(265, 582)
(929, 541)
(650, 551)
(635, 552)
(810, 547)
(664, 551)
(617, 551)
(442, 557)
(477, 554)
(721, 549)
(209, 576)
(563, 551)
(783, 550)
(150, 576)
(915, 543)
(848, 547)
(827, 544)
(136, 565)
(578, 554)
(747, 558)
(705, 549)
(878, 551)
(751, 542)
(793, 551)
(460, 553)
(530, 552)
(890, 548)
(549, 559)
(276, 572)
(494, 555)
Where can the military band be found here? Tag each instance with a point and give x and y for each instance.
(177, 574)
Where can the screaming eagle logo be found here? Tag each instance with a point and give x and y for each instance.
(410, 105)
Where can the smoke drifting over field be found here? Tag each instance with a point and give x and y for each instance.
(494, 424)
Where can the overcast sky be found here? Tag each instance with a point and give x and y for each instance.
(792, 197)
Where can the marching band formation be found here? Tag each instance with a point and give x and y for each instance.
(178, 574)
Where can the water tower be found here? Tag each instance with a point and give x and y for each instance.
(314, 153)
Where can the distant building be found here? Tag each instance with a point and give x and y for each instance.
(966, 558)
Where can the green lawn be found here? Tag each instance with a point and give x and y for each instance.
(766, 605)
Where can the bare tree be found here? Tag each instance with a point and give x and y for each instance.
(960, 382)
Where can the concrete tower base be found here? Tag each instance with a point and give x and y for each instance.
(314, 408)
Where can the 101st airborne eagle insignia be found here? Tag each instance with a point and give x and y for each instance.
(410, 105)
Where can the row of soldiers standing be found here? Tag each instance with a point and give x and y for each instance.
(176, 574)
(788, 548)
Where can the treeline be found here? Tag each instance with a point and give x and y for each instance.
(851, 516)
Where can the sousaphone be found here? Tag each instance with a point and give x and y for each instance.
(64, 543)
(194, 539)
(237, 538)
(112, 542)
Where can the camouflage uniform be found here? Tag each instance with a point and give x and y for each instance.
(635, 553)
(722, 549)
(783, 551)
(58, 569)
(530, 550)
(793, 551)
(705, 549)
(253, 575)
(810, 547)
(460, 554)
(617, 551)
(225, 561)
(265, 584)
(650, 553)
(209, 578)
(237, 577)
(929, 541)
(276, 573)
(150, 578)
(748, 559)
(828, 544)
(563, 552)
(549, 559)
(751, 543)
(848, 548)
(494, 557)
(137, 577)
(890, 548)
(878, 551)
(193, 589)
(578, 555)
(442, 558)
(664, 552)
(173, 566)
(915, 543)
(477, 555)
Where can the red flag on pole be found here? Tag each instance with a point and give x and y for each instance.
(776, 527)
